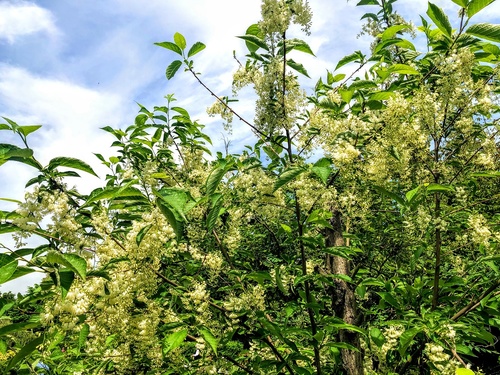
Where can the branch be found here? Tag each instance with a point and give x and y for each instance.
(262, 135)
(475, 303)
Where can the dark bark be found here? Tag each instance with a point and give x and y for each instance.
(343, 298)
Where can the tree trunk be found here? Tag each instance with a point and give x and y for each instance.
(343, 298)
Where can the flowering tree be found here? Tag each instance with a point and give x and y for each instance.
(358, 235)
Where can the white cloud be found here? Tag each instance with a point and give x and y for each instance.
(71, 116)
(23, 18)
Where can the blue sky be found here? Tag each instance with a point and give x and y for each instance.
(76, 66)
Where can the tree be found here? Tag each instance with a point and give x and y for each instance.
(358, 235)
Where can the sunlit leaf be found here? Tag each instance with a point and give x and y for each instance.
(406, 338)
(70, 163)
(377, 336)
(254, 40)
(27, 129)
(173, 341)
(173, 68)
(439, 17)
(8, 266)
(485, 31)
(356, 56)
(72, 261)
(209, 339)
(180, 41)
(195, 48)
(142, 233)
(288, 176)
(298, 67)
(25, 351)
(391, 31)
(464, 371)
(322, 169)
(82, 337)
(170, 46)
(476, 6)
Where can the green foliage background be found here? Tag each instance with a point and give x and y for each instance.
(358, 235)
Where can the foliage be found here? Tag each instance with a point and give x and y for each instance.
(359, 234)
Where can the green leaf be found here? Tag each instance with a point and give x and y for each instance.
(8, 228)
(27, 129)
(389, 298)
(406, 338)
(8, 266)
(172, 217)
(360, 84)
(439, 17)
(66, 278)
(492, 49)
(377, 336)
(288, 176)
(253, 30)
(279, 281)
(356, 56)
(209, 338)
(402, 69)
(173, 341)
(180, 41)
(462, 3)
(382, 95)
(346, 95)
(17, 327)
(349, 327)
(8, 151)
(215, 178)
(391, 31)
(299, 45)
(412, 194)
(368, 2)
(215, 211)
(25, 351)
(389, 194)
(21, 271)
(195, 48)
(298, 67)
(430, 188)
(72, 261)
(322, 169)
(331, 79)
(70, 163)
(170, 46)
(464, 371)
(173, 68)
(476, 6)
(485, 31)
(180, 200)
(82, 337)
(128, 192)
(486, 174)
(142, 233)
(286, 228)
(254, 40)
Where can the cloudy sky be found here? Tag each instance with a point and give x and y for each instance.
(76, 66)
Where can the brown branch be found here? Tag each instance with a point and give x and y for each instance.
(475, 303)
(223, 249)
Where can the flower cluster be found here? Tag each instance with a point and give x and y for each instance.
(277, 15)
(440, 360)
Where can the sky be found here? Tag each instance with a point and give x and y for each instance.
(77, 66)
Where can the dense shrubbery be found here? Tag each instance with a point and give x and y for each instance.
(358, 235)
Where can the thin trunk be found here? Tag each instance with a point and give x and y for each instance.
(437, 253)
(343, 298)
